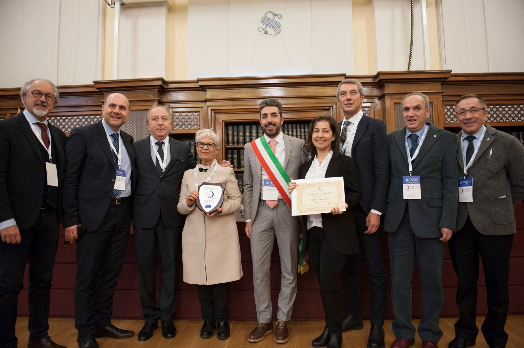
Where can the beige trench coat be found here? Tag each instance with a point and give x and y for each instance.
(210, 247)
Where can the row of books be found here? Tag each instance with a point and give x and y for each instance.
(192, 148)
(240, 178)
(236, 157)
(240, 134)
(519, 136)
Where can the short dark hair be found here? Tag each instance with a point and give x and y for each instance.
(335, 144)
(270, 102)
(467, 96)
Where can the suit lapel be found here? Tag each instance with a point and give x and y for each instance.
(431, 138)
(287, 142)
(362, 125)
(25, 127)
(460, 157)
(400, 139)
(146, 152)
(54, 140)
(173, 148)
(333, 165)
(489, 138)
(104, 143)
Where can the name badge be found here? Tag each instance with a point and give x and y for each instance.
(269, 191)
(52, 176)
(120, 180)
(466, 190)
(411, 187)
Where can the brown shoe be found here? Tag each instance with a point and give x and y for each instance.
(402, 343)
(281, 333)
(261, 331)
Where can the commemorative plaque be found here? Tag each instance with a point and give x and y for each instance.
(210, 197)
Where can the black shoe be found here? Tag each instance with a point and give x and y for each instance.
(168, 329)
(322, 340)
(223, 330)
(146, 332)
(335, 341)
(114, 332)
(352, 322)
(376, 337)
(87, 341)
(207, 329)
(459, 342)
(45, 342)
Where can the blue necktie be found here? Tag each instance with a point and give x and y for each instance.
(116, 145)
(414, 143)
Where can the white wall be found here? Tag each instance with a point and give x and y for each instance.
(142, 42)
(482, 35)
(54, 39)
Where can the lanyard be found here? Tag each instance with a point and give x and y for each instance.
(321, 168)
(411, 159)
(119, 154)
(348, 136)
(42, 141)
(208, 178)
(163, 164)
(468, 165)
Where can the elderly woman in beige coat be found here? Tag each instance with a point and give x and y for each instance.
(210, 247)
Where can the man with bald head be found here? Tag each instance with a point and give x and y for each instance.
(97, 201)
(32, 167)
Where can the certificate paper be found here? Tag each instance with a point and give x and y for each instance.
(315, 196)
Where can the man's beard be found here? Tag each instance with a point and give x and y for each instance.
(40, 112)
(275, 132)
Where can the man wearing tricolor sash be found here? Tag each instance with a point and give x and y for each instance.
(270, 162)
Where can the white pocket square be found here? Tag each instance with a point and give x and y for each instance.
(503, 196)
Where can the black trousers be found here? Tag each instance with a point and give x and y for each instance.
(168, 241)
(372, 249)
(465, 248)
(38, 247)
(100, 257)
(327, 264)
(214, 301)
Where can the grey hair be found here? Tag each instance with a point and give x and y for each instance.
(207, 133)
(425, 97)
(157, 105)
(26, 86)
(467, 96)
(355, 81)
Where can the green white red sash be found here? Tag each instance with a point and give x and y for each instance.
(280, 179)
(273, 168)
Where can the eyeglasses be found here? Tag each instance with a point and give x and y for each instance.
(473, 111)
(38, 95)
(204, 145)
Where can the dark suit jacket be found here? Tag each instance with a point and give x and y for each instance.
(371, 156)
(22, 170)
(339, 229)
(498, 183)
(154, 194)
(90, 175)
(435, 163)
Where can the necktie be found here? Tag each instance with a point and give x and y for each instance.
(273, 145)
(160, 154)
(45, 137)
(344, 132)
(414, 143)
(114, 138)
(470, 149)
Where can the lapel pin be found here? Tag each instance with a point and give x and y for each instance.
(435, 135)
(488, 138)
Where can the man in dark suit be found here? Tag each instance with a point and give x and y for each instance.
(494, 162)
(160, 162)
(32, 168)
(97, 195)
(421, 216)
(365, 140)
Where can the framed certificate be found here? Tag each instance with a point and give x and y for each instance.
(315, 196)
